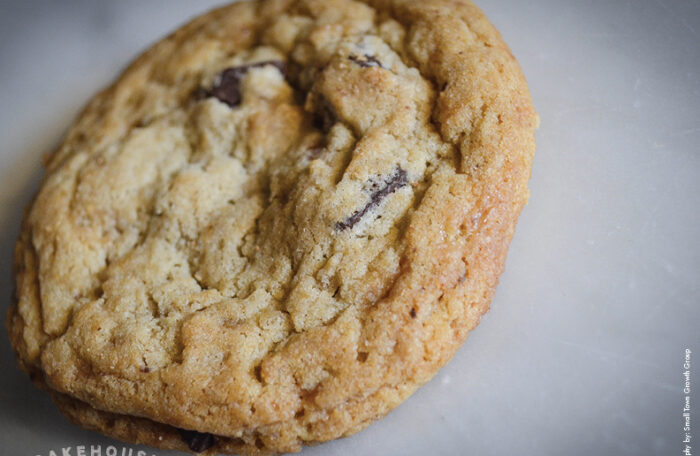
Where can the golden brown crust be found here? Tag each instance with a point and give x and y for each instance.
(204, 266)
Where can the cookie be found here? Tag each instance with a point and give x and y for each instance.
(277, 223)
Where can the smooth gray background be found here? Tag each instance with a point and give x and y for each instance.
(582, 351)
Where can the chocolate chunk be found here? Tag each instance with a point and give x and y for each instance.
(379, 192)
(316, 148)
(227, 87)
(324, 116)
(197, 441)
(366, 61)
(315, 152)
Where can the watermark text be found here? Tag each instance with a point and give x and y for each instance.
(687, 448)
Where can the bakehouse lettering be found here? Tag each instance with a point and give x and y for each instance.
(366, 61)
(197, 441)
(379, 192)
(96, 450)
(227, 87)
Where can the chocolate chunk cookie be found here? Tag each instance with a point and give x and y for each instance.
(278, 223)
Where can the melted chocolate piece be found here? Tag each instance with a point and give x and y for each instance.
(396, 181)
(197, 441)
(324, 116)
(315, 152)
(227, 87)
(366, 61)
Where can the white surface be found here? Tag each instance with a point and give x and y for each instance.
(582, 351)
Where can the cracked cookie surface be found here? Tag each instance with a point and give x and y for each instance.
(277, 224)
